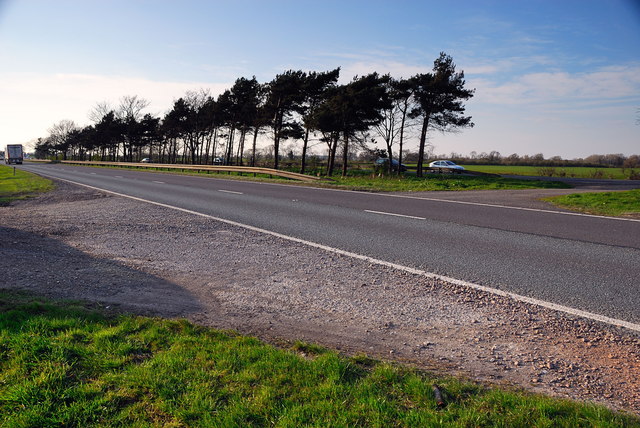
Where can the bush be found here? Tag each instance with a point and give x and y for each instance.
(547, 172)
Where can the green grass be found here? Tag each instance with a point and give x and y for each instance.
(62, 364)
(573, 171)
(603, 203)
(438, 182)
(20, 185)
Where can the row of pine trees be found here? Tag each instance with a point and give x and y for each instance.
(295, 105)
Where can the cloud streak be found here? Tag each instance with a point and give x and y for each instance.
(608, 84)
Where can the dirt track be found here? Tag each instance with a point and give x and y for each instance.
(127, 255)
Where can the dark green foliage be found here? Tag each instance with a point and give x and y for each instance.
(349, 110)
(285, 97)
(439, 97)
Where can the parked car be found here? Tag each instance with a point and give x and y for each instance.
(446, 165)
(394, 164)
(146, 160)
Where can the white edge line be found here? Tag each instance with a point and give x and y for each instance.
(495, 291)
(231, 191)
(394, 214)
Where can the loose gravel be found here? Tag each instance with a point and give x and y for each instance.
(126, 255)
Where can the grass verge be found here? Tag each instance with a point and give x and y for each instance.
(20, 185)
(569, 171)
(604, 203)
(62, 364)
(436, 182)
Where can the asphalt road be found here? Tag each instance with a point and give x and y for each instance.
(583, 262)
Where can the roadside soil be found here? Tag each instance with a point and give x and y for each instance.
(76, 243)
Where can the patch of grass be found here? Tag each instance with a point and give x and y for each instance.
(310, 349)
(438, 182)
(570, 171)
(603, 203)
(20, 185)
(64, 365)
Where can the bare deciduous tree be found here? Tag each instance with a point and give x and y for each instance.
(99, 111)
(131, 107)
(59, 136)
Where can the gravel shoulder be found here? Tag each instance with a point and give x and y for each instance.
(76, 243)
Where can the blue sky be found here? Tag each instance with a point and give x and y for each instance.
(557, 77)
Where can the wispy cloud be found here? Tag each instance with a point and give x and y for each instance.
(394, 68)
(606, 84)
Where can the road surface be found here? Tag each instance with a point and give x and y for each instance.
(584, 262)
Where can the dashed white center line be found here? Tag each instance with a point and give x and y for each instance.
(231, 191)
(395, 215)
(159, 182)
(117, 176)
(93, 173)
(518, 297)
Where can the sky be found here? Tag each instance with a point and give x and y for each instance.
(557, 77)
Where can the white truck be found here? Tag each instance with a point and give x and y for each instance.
(13, 154)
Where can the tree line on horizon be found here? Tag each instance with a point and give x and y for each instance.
(295, 105)
(611, 160)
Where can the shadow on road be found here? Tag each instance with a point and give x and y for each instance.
(50, 268)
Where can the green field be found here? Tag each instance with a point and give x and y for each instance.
(20, 185)
(602, 203)
(573, 172)
(62, 364)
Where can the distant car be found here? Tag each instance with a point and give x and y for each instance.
(446, 165)
(218, 161)
(394, 164)
(146, 160)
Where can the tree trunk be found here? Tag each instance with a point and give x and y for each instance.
(305, 142)
(277, 127)
(390, 155)
(404, 116)
(423, 140)
(174, 154)
(243, 135)
(332, 153)
(253, 147)
(205, 161)
(229, 154)
(345, 154)
(215, 144)
(276, 141)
